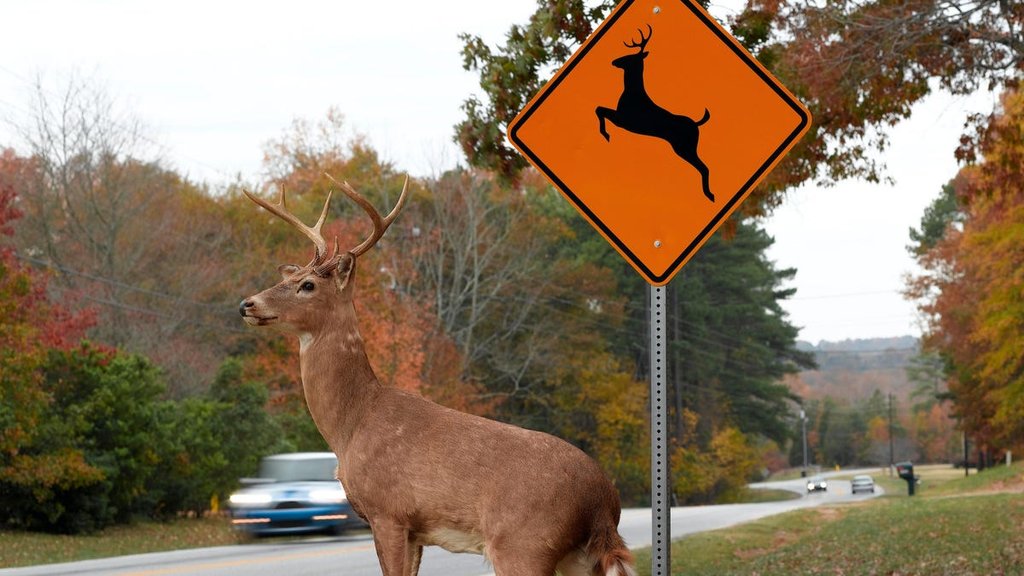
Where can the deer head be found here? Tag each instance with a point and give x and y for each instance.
(637, 58)
(307, 295)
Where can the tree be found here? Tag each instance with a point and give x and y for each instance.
(30, 326)
(214, 440)
(970, 291)
(510, 77)
(927, 372)
(942, 213)
(108, 405)
(484, 261)
(736, 345)
(95, 202)
(861, 65)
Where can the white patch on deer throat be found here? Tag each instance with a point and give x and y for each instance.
(305, 339)
(455, 540)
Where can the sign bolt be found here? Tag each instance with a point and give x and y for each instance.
(657, 243)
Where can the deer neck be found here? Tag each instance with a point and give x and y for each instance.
(337, 379)
(633, 78)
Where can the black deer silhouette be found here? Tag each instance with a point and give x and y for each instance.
(637, 113)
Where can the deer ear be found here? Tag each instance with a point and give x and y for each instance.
(286, 270)
(345, 271)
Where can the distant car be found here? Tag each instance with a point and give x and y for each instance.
(817, 483)
(862, 483)
(294, 493)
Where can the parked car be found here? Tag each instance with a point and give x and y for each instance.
(294, 493)
(816, 483)
(862, 483)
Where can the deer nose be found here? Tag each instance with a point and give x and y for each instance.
(245, 305)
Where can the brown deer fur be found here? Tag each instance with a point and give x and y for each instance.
(422, 474)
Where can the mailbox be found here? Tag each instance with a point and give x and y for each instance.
(905, 470)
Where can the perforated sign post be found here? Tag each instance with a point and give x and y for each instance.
(655, 130)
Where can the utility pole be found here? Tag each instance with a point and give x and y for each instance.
(966, 467)
(803, 422)
(892, 460)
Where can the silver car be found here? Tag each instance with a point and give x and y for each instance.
(294, 493)
(817, 483)
(862, 483)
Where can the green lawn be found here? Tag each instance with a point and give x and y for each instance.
(28, 548)
(953, 526)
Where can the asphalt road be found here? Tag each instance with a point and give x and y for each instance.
(355, 556)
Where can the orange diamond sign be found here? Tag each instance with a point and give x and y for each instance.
(657, 128)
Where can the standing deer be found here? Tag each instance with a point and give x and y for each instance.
(421, 474)
(637, 113)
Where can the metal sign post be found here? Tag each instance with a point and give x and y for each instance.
(661, 525)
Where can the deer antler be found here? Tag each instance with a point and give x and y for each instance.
(313, 233)
(643, 39)
(380, 225)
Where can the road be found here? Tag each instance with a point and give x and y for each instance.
(355, 556)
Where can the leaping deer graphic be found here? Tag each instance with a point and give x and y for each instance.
(637, 113)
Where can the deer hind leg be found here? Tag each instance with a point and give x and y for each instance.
(602, 115)
(689, 153)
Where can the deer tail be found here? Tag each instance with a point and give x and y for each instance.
(704, 118)
(612, 556)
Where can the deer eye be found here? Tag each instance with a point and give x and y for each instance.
(307, 286)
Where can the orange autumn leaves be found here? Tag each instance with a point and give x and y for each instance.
(972, 291)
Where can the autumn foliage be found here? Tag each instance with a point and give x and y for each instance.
(30, 326)
(972, 291)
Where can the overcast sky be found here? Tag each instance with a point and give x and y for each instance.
(214, 81)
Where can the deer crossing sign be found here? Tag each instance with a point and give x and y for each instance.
(657, 128)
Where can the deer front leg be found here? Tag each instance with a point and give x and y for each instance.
(602, 114)
(397, 555)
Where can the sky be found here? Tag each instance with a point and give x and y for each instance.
(213, 82)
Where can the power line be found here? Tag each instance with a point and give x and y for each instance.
(723, 338)
(598, 322)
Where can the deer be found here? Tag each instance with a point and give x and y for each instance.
(636, 112)
(421, 474)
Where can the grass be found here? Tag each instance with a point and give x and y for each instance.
(30, 548)
(952, 526)
(758, 495)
